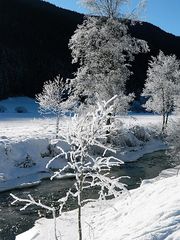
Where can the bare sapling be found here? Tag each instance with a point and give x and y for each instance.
(85, 134)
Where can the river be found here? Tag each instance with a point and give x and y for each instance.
(13, 221)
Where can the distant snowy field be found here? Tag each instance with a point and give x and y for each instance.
(16, 126)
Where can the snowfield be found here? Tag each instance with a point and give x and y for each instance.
(150, 212)
(25, 137)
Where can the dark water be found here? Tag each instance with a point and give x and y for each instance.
(13, 221)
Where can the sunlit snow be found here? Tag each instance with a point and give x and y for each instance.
(151, 211)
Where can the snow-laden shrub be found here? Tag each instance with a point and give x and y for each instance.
(52, 151)
(2, 109)
(124, 138)
(17, 151)
(53, 148)
(130, 136)
(27, 163)
(21, 109)
(141, 133)
(133, 136)
(173, 139)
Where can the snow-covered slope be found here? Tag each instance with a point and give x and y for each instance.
(150, 212)
(17, 106)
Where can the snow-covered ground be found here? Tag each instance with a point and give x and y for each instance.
(25, 138)
(150, 212)
(15, 126)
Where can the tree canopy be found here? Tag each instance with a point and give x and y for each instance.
(103, 48)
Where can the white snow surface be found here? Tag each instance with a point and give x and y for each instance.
(23, 134)
(150, 212)
(29, 134)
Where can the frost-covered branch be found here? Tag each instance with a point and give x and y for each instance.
(113, 8)
(53, 98)
(31, 201)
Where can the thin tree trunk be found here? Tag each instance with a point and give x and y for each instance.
(55, 229)
(163, 123)
(164, 112)
(167, 117)
(108, 122)
(79, 223)
(57, 125)
(79, 204)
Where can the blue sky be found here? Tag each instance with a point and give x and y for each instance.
(162, 13)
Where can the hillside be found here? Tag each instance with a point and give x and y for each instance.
(34, 46)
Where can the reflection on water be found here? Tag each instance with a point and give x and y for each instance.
(13, 221)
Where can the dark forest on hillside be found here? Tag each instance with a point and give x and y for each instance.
(34, 46)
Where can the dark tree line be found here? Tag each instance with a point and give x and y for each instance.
(34, 38)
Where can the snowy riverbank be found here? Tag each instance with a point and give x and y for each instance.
(23, 165)
(25, 142)
(150, 212)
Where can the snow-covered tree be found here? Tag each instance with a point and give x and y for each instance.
(52, 99)
(162, 85)
(83, 134)
(103, 48)
(112, 8)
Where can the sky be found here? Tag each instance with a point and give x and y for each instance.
(162, 13)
